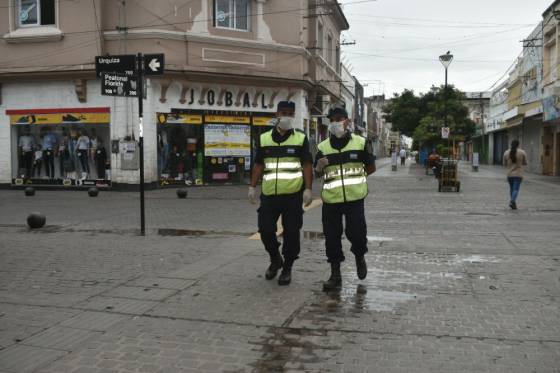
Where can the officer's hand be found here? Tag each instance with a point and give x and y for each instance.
(252, 195)
(307, 197)
(321, 164)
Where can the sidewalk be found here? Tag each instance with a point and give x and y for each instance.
(457, 283)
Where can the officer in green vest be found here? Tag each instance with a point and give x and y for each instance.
(345, 162)
(284, 163)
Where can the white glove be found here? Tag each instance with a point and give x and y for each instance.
(321, 164)
(252, 195)
(307, 198)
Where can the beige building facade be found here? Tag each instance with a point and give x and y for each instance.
(227, 65)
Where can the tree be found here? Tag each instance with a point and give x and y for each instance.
(422, 117)
(403, 112)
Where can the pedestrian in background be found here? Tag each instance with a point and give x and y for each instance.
(402, 154)
(514, 159)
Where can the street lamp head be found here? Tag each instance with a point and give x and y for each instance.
(446, 59)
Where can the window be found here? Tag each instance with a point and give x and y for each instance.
(319, 38)
(232, 14)
(329, 50)
(36, 12)
(337, 59)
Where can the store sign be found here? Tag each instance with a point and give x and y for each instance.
(262, 121)
(196, 98)
(226, 119)
(165, 118)
(227, 140)
(551, 108)
(60, 118)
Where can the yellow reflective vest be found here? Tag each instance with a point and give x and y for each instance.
(283, 173)
(345, 177)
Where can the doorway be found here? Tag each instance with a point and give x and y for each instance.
(548, 151)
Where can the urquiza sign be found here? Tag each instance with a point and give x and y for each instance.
(197, 98)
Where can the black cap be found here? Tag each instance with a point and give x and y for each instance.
(286, 105)
(337, 111)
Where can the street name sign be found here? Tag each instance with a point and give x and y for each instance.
(122, 64)
(113, 84)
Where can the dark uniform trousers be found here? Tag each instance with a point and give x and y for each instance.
(356, 229)
(288, 206)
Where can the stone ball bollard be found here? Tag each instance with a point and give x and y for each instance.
(182, 193)
(93, 192)
(29, 191)
(36, 220)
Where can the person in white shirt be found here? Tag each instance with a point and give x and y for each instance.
(402, 154)
(26, 145)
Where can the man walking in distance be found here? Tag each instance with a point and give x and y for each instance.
(402, 154)
(285, 164)
(345, 162)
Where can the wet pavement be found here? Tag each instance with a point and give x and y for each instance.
(456, 283)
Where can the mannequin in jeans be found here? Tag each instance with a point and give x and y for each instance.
(82, 149)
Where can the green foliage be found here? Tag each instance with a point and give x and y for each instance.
(422, 117)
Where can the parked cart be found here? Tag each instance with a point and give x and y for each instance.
(448, 176)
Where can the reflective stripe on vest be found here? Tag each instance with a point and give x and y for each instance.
(283, 173)
(345, 177)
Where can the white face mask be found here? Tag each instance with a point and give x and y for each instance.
(337, 129)
(285, 123)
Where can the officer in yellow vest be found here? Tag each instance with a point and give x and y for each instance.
(345, 162)
(285, 164)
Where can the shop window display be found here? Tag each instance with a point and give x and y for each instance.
(60, 149)
(180, 153)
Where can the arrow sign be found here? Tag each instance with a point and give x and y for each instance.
(154, 64)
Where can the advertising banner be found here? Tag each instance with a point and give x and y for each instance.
(227, 140)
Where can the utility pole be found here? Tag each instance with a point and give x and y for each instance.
(141, 139)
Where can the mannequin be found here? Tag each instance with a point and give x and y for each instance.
(100, 160)
(37, 161)
(26, 144)
(82, 150)
(174, 162)
(49, 148)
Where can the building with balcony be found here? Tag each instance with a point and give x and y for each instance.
(227, 65)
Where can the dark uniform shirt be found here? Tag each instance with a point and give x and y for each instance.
(305, 155)
(339, 144)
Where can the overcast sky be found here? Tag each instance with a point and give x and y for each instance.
(398, 41)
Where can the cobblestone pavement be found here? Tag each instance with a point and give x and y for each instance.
(457, 283)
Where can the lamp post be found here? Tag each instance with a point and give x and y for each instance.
(445, 60)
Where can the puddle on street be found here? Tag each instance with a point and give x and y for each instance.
(197, 233)
(379, 239)
(361, 298)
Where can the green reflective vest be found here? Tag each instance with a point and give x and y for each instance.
(283, 173)
(345, 177)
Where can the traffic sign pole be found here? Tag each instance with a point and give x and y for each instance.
(140, 62)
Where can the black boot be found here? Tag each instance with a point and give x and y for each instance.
(335, 281)
(276, 263)
(286, 274)
(361, 267)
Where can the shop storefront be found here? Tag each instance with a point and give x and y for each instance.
(60, 147)
(208, 147)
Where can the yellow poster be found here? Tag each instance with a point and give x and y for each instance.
(262, 121)
(61, 118)
(164, 118)
(227, 119)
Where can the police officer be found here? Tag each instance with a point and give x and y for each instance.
(345, 162)
(285, 164)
